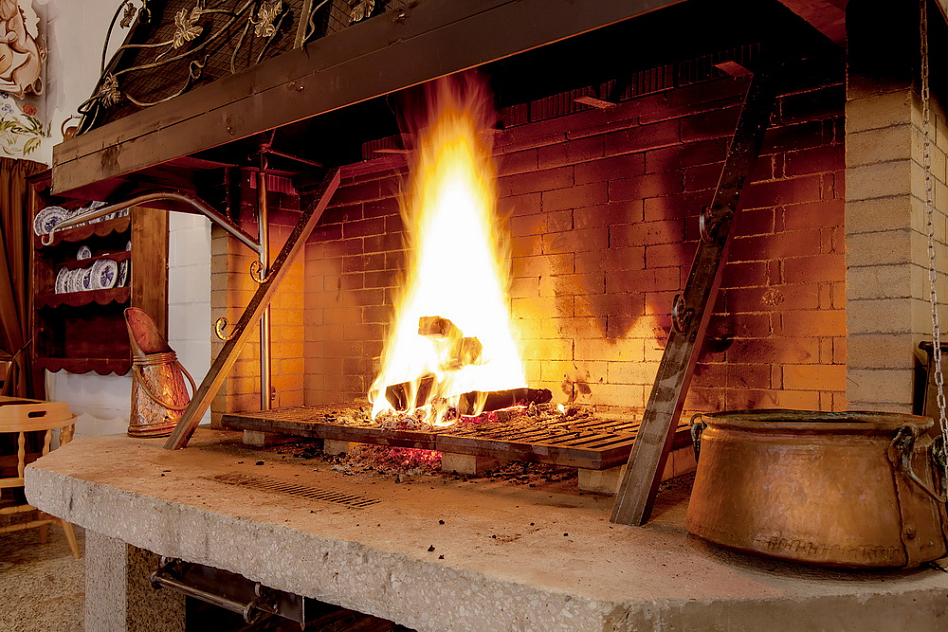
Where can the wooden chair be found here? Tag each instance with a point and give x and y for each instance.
(19, 416)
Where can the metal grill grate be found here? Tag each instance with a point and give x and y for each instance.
(294, 489)
(592, 443)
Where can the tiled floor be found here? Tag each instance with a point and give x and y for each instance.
(41, 585)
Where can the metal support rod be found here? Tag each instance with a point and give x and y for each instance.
(264, 237)
(199, 205)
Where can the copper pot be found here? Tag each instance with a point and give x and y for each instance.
(853, 489)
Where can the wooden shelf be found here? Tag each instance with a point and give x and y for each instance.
(82, 233)
(102, 366)
(85, 331)
(118, 295)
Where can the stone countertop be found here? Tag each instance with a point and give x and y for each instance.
(514, 557)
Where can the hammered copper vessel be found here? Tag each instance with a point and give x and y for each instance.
(852, 489)
(159, 395)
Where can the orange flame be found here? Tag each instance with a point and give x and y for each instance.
(457, 267)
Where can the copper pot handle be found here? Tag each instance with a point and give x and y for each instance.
(697, 427)
(900, 454)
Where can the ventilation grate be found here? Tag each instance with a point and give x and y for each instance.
(294, 489)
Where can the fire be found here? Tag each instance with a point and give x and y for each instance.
(452, 332)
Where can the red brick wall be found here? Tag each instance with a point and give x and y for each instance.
(601, 208)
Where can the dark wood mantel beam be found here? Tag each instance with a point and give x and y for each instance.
(367, 60)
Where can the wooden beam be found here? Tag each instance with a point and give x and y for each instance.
(315, 204)
(364, 61)
(636, 495)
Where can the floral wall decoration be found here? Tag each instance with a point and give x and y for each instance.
(21, 81)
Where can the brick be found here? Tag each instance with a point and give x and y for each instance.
(882, 281)
(782, 192)
(528, 225)
(670, 254)
(382, 243)
(604, 350)
(749, 274)
(879, 316)
(783, 350)
(531, 266)
(703, 177)
(592, 194)
(363, 228)
(623, 166)
(517, 162)
(816, 160)
(626, 212)
(356, 193)
(814, 377)
(773, 298)
(676, 206)
(814, 215)
(747, 376)
(652, 280)
(758, 221)
(514, 205)
(545, 180)
(793, 137)
(610, 260)
(799, 243)
(879, 145)
(573, 284)
(881, 351)
(646, 186)
(878, 111)
(814, 104)
(575, 241)
(632, 372)
(551, 156)
(547, 349)
(707, 125)
(380, 208)
(879, 180)
(643, 137)
(646, 234)
(817, 268)
(811, 323)
(685, 155)
(547, 307)
(880, 386)
(883, 248)
(393, 224)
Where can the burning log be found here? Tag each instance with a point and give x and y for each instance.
(399, 395)
(497, 400)
(456, 349)
(438, 328)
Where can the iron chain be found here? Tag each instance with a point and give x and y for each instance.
(930, 217)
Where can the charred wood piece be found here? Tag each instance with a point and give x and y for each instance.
(468, 404)
(438, 328)
(464, 351)
(400, 395)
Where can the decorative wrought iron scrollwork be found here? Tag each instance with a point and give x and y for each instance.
(220, 326)
(206, 27)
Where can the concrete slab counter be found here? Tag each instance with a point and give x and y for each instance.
(433, 553)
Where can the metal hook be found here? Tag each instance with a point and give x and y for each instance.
(681, 315)
(219, 328)
(257, 272)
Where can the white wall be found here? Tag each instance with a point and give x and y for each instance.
(75, 33)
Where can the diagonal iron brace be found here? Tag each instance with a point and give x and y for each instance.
(692, 311)
(314, 205)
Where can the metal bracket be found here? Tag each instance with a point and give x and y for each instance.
(710, 220)
(681, 314)
(219, 328)
(257, 272)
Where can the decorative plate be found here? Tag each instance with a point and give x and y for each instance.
(86, 280)
(122, 279)
(47, 218)
(62, 281)
(128, 245)
(104, 274)
(84, 252)
(74, 282)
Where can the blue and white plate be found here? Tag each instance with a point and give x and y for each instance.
(104, 274)
(84, 252)
(47, 218)
(62, 281)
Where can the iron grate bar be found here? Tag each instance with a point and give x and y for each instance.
(295, 489)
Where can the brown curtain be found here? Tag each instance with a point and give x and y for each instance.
(17, 234)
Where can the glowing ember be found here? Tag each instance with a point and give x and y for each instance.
(452, 331)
